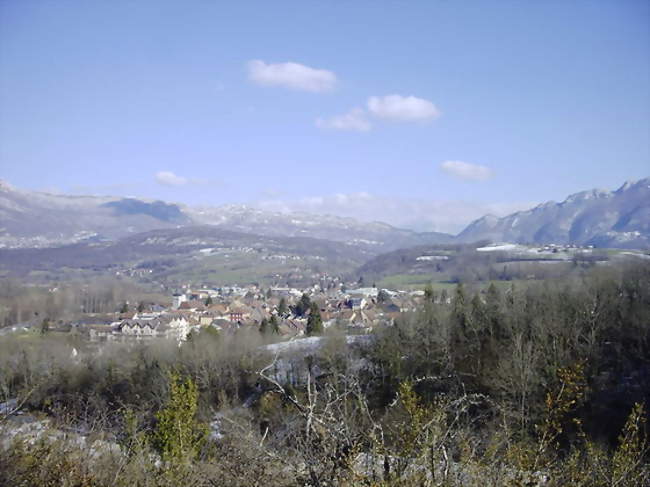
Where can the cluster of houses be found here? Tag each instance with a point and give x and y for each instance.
(553, 248)
(137, 326)
(229, 309)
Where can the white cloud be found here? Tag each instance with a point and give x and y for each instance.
(400, 108)
(291, 75)
(168, 178)
(417, 214)
(355, 120)
(396, 108)
(467, 171)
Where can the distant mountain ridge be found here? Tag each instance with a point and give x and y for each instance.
(158, 209)
(619, 218)
(374, 236)
(29, 219)
(36, 219)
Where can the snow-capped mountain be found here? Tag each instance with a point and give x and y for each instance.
(35, 219)
(619, 218)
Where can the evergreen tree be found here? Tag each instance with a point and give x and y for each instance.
(303, 305)
(264, 326)
(458, 333)
(45, 326)
(274, 325)
(511, 296)
(459, 308)
(124, 308)
(178, 435)
(140, 306)
(282, 307)
(495, 334)
(208, 301)
(382, 296)
(478, 332)
(314, 322)
(428, 292)
(493, 312)
(478, 314)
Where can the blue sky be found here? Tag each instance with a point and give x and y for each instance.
(425, 114)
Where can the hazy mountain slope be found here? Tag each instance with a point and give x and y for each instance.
(422, 259)
(34, 219)
(375, 236)
(158, 209)
(618, 218)
(178, 246)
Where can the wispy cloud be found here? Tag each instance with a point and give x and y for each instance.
(400, 108)
(355, 120)
(466, 170)
(291, 75)
(168, 178)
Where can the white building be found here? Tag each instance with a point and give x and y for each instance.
(178, 299)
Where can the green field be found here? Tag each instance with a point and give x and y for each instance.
(244, 268)
(412, 281)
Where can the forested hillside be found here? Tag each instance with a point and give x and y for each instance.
(543, 384)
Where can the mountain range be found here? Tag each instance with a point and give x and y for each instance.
(35, 219)
(30, 219)
(617, 219)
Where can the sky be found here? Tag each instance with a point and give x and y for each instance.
(423, 114)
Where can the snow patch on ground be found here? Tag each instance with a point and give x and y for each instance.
(636, 254)
(309, 343)
(500, 247)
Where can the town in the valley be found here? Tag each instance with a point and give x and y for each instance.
(280, 312)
